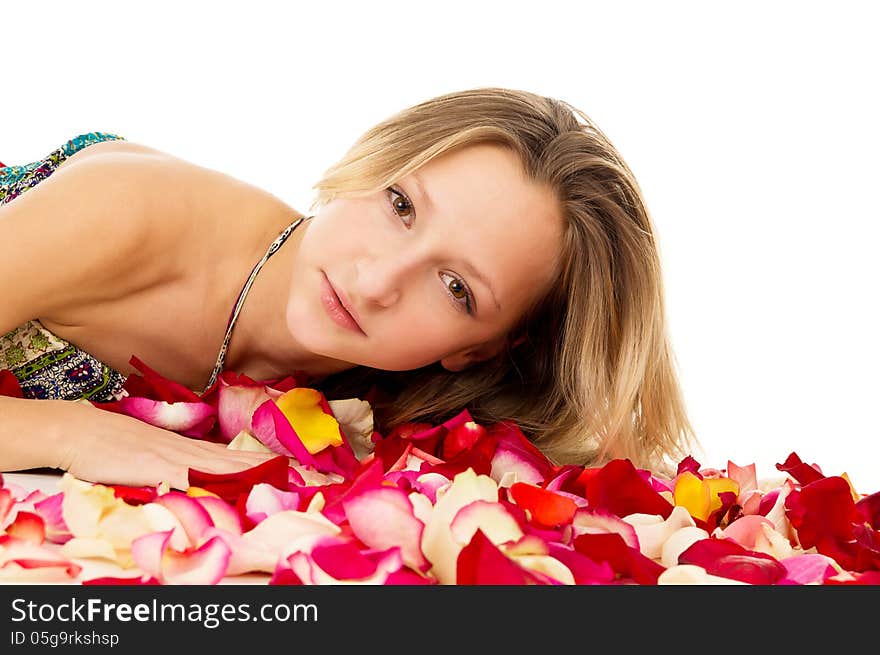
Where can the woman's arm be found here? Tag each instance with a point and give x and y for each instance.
(101, 446)
(94, 231)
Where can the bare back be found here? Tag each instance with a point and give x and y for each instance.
(169, 305)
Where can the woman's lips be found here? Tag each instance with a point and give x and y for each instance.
(335, 308)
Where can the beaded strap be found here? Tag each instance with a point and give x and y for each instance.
(233, 317)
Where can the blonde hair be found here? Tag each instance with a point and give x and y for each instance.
(595, 378)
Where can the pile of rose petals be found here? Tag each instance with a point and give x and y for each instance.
(454, 503)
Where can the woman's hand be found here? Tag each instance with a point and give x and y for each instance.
(104, 447)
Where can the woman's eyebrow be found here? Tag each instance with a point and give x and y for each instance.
(482, 280)
(426, 201)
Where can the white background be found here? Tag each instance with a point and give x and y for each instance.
(751, 127)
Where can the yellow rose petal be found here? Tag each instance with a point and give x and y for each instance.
(693, 495)
(717, 486)
(315, 428)
(195, 492)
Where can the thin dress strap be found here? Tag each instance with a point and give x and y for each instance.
(233, 317)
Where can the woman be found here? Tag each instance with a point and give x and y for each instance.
(486, 249)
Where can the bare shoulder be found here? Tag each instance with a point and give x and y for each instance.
(123, 222)
(112, 147)
(102, 228)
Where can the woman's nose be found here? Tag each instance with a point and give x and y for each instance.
(381, 279)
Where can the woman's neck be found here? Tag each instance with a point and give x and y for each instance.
(262, 345)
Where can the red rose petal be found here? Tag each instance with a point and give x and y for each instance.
(9, 385)
(803, 473)
(109, 580)
(482, 563)
(727, 559)
(134, 495)
(154, 386)
(28, 526)
(229, 486)
(621, 489)
(461, 438)
(627, 562)
(547, 508)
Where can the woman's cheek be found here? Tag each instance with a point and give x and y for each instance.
(421, 344)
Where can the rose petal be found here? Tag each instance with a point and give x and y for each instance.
(28, 526)
(678, 542)
(384, 518)
(205, 565)
(481, 562)
(111, 580)
(236, 404)
(583, 569)
(438, 545)
(315, 428)
(809, 568)
(287, 531)
(92, 548)
(246, 441)
(336, 562)
(355, 417)
(192, 419)
(223, 516)
(602, 521)
(547, 508)
(152, 385)
(229, 486)
(22, 560)
(727, 559)
(92, 510)
(9, 385)
(691, 574)
(621, 489)
(265, 500)
(193, 517)
(627, 562)
(50, 510)
(653, 531)
(492, 519)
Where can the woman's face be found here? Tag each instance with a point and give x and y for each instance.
(438, 268)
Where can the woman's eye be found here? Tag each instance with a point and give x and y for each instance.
(401, 205)
(459, 293)
(456, 287)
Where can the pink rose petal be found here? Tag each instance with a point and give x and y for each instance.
(50, 509)
(236, 404)
(205, 565)
(6, 503)
(747, 531)
(809, 568)
(335, 561)
(601, 521)
(28, 526)
(265, 500)
(192, 419)
(584, 570)
(193, 517)
(22, 560)
(222, 514)
(383, 518)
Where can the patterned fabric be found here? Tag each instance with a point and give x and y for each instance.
(46, 365)
(15, 180)
(273, 248)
